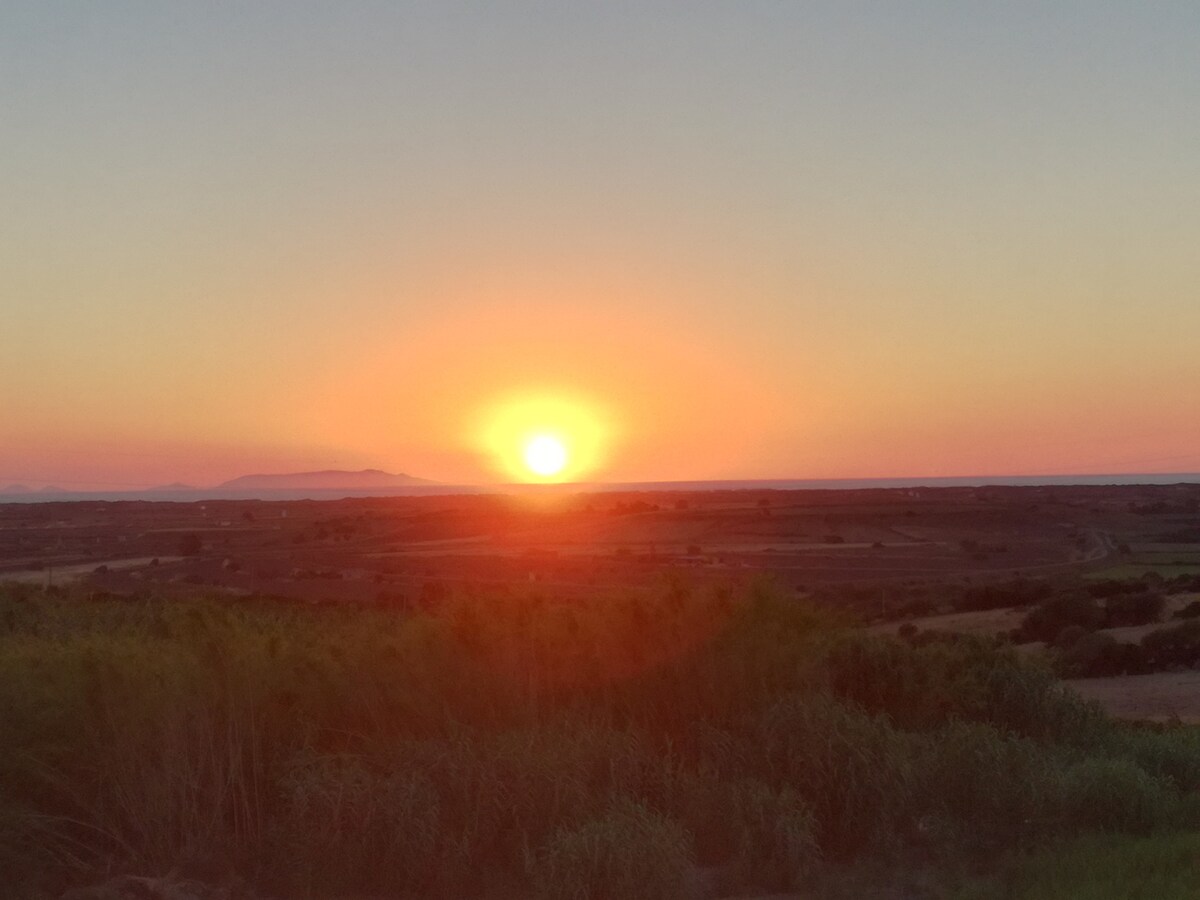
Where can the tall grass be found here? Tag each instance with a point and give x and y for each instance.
(574, 749)
(628, 851)
(985, 789)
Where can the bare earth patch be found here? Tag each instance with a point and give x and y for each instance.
(1160, 696)
(986, 621)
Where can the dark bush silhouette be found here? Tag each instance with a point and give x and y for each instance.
(1191, 611)
(1069, 636)
(944, 677)
(1176, 645)
(1019, 592)
(1110, 587)
(1046, 621)
(1097, 654)
(1133, 609)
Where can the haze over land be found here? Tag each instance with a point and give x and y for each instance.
(326, 480)
(748, 241)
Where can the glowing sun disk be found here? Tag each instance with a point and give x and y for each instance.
(544, 436)
(545, 455)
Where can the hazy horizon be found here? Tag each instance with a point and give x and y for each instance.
(726, 241)
(175, 491)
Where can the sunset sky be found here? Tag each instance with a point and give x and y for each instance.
(703, 240)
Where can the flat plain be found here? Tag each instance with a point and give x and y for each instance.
(579, 542)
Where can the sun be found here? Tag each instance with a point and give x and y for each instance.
(543, 436)
(545, 455)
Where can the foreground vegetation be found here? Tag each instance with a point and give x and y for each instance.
(596, 749)
(1098, 868)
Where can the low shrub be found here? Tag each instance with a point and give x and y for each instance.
(1094, 867)
(1097, 655)
(1191, 611)
(1018, 592)
(1175, 645)
(945, 677)
(1169, 752)
(1111, 587)
(1045, 621)
(1133, 609)
(1115, 795)
(1069, 636)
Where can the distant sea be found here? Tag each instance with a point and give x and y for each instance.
(780, 484)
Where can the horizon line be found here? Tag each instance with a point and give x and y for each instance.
(51, 491)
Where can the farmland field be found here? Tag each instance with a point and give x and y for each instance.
(1137, 570)
(578, 543)
(670, 696)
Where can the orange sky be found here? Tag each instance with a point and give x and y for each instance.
(784, 241)
(665, 387)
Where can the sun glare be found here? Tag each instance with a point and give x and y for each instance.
(545, 455)
(545, 438)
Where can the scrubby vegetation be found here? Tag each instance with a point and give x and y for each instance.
(1097, 868)
(608, 748)
(1072, 623)
(1048, 620)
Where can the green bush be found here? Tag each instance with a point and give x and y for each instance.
(1115, 795)
(957, 677)
(1019, 592)
(1175, 645)
(987, 789)
(855, 771)
(1097, 655)
(629, 851)
(1045, 621)
(1166, 752)
(1133, 609)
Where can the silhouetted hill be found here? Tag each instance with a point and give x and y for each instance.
(328, 480)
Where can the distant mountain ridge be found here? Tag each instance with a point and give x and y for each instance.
(326, 480)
